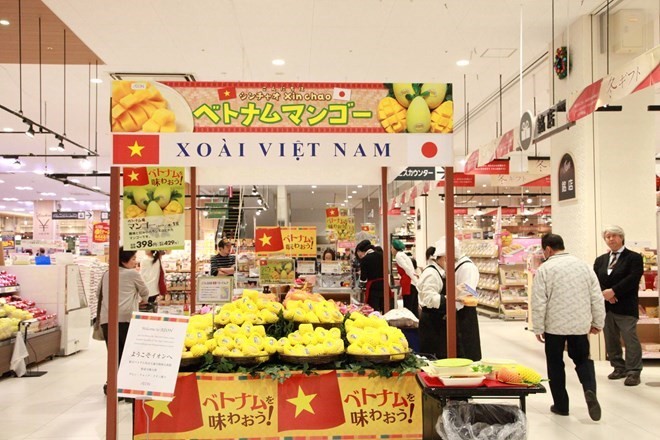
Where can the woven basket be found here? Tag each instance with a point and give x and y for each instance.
(311, 360)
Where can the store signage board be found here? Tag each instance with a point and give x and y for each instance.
(150, 363)
(153, 207)
(417, 173)
(101, 232)
(306, 267)
(499, 166)
(526, 133)
(214, 290)
(460, 180)
(284, 125)
(566, 175)
(331, 267)
(299, 241)
(68, 215)
(277, 270)
(105, 215)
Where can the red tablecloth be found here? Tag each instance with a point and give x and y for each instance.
(435, 382)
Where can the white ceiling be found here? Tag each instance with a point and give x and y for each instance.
(236, 40)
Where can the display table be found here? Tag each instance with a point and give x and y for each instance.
(435, 397)
(42, 345)
(329, 404)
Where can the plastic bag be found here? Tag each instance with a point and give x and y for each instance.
(469, 421)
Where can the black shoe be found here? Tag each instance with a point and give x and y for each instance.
(556, 411)
(632, 379)
(616, 374)
(592, 405)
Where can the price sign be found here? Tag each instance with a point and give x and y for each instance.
(214, 290)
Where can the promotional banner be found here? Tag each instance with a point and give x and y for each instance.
(178, 122)
(495, 149)
(299, 241)
(338, 221)
(101, 232)
(278, 270)
(328, 405)
(153, 208)
(268, 240)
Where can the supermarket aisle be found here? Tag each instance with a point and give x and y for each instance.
(68, 403)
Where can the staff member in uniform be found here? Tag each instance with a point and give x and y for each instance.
(408, 281)
(222, 263)
(468, 340)
(371, 274)
(432, 290)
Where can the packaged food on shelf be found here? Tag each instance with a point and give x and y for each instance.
(7, 279)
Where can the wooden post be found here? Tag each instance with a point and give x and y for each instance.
(193, 238)
(386, 241)
(451, 279)
(113, 307)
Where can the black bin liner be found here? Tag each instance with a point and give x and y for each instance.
(470, 421)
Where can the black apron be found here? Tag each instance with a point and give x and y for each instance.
(468, 342)
(433, 326)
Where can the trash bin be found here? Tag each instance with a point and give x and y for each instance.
(469, 421)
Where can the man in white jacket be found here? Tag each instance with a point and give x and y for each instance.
(567, 305)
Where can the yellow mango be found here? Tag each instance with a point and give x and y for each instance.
(400, 92)
(418, 118)
(392, 115)
(442, 118)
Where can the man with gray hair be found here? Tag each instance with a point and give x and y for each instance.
(619, 272)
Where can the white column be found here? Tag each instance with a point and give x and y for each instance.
(43, 226)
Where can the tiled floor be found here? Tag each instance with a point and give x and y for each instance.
(68, 402)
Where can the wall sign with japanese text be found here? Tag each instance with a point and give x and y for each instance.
(215, 290)
(566, 175)
(330, 404)
(153, 208)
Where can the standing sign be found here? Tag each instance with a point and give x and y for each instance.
(214, 290)
(153, 208)
(150, 363)
(566, 178)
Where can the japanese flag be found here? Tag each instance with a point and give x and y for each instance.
(430, 149)
(341, 94)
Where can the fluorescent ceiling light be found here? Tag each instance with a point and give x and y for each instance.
(462, 63)
(4, 22)
(353, 192)
(96, 80)
(278, 62)
(359, 186)
(314, 186)
(8, 130)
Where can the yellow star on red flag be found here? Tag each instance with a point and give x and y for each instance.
(134, 176)
(265, 240)
(159, 407)
(302, 402)
(136, 149)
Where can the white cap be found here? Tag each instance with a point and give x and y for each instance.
(440, 248)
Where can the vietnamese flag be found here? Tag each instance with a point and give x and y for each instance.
(135, 176)
(183, 413)
(332, 212)
(225, 93)
(129, 149)
(309, 403)
(268, 239)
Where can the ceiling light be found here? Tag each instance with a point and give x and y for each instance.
(543, 200)
(8, 130)
(278, 62)
(508, 195)
(493, 200)
(343, 204)
(359, 186)
(353, 192)
(258, 211)
(96, 80)
(260, 201)
(350, 197)
(17, 164)
(221, 189)
(468, 191)
(529, 200)
(4, 22)
(206, 213)
(254, 191)
(24, 188)
(10, 199)
(30, 131)
(75, 180)
(484, 185)
(526, 190)
(314, 186)
(85, 164)
(462, 63)
(69, 199)
(2, 181)
(345, 200)
(2, 206)
(18, 209)
(312, 192)
(48, 194)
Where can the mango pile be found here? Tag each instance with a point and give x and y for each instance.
(252, 308)
(417, 108)
(373, 336)
(313, 312)
(310, 341)
(197, 341)
(246, 340)
(140, 106)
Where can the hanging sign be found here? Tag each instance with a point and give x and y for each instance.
(417, 173)
(153, 208)
(338, 220)
(566, 175)
(277, 270)
(499, 166)
(219, 210)
(460, 211)
(460, 180)
(101, 232)
(299, 241)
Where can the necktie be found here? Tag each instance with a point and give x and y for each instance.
(614, 258)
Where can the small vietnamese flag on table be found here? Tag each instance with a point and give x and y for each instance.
(130, 149)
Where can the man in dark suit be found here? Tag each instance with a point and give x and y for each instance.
(619, 272)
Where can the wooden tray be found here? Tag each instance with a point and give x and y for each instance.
(378, 358)
(245, 360)
(311, 360)
(191, 362)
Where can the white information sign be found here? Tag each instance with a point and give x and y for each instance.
(150, 362)
(331, 267)
(214, 290)
(306, 267)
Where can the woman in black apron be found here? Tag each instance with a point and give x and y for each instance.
(431, 294)
(371, 274)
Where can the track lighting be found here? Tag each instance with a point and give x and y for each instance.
(258, 211)
(254, 191)
(85, 164)
(17, 164)
(30, 131)
(260, 201)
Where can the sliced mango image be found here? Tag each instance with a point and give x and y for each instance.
(133, 109)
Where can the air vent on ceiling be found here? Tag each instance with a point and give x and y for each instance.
(137, 76)
(494, 52)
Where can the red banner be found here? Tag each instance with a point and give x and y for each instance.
(543, 181)
(268, 239)
(498, 166)
(460, 179)
(460, 211)
(585, 104)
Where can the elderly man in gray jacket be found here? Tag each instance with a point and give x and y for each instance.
(567, 305)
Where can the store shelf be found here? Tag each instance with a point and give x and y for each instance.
(650, 354)
(490, 305)
(488, 312)
(511, 299)
(648, 321)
